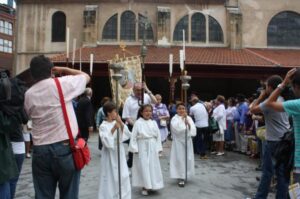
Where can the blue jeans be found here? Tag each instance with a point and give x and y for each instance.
(268, 171)
(5, 191)
(53, 164)
(229, 132)
(13, 182)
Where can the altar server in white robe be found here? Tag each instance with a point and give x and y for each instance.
(145, 143)
(179, 123)
(109, 180)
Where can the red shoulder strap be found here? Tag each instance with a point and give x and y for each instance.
(64, 109)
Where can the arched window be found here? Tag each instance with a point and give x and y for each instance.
(58, 27)
(182, 24)
(110, 29)
(149, 31)
(198, 27)
(215, 31)
(128, 26)
(284, 29)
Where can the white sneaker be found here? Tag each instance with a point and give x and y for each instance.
(145, 192)
(219, 154)
(213, 152)
(28, 155)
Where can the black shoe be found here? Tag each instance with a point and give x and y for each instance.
(181, 183)
(129, 163)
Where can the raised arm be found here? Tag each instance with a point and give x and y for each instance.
(69, 71)
(272, 100)
(254, 107)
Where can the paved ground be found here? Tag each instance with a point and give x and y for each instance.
(229, 177)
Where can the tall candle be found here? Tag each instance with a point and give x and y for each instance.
(91, 63)
(183, 44)
(181, 60)
(74, 51)
(80, 64)
(171, 64)
(67, 42)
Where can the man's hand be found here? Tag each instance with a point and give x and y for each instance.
(288, 77)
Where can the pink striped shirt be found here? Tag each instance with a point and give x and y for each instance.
(43, 107)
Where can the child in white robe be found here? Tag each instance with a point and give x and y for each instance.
(179, 124)
(109, 180)
(145, 143)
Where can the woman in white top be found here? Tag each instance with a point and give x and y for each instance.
(181, 124)
(109, 179)
(219, 114)
(145, 143)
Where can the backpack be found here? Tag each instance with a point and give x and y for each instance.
(12, 92)
(5, 86)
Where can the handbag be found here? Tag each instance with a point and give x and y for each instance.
(213, 125)
(80, 150)
(163, 123)
(261, 133)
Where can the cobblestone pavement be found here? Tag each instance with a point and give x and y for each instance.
(229, 177)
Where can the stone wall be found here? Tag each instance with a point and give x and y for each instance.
(244, 22)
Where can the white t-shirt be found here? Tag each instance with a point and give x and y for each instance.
(230, 112)
(131, 106)
(200, 114)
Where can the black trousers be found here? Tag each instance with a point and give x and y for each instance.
(201, 141)
(84, 133)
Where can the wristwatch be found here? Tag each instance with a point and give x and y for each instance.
(281, 87)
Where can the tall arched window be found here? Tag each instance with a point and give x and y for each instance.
(149, 31)
(215, 31)
(110, 29)
(128, 26)
(182, 24)
(284, 29)
(198, 27)
(58, 27)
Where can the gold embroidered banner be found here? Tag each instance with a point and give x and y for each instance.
(131, 74)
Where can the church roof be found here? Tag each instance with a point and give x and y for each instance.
(217, 56)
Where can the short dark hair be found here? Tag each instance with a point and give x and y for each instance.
(108, 107)
(40, 67)
(296, 78)
(274, 81)
(142, 108)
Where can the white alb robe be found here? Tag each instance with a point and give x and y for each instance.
(146, 142)
(109, 180)
(177, 156)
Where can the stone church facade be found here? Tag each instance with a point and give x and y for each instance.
(208, 23)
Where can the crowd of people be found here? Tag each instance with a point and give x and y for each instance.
(253, 126)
